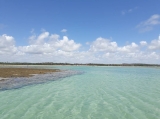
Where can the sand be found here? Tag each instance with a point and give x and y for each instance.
(23, 72)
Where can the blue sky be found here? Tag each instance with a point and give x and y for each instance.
(98, 31)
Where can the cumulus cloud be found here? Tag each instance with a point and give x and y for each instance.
(40, 39)
(53, 38)
(7, 44)
(107, 46)
(105, 50)
(67, 45)
(154, 45)
(37, 49)
(47, 47)
(143, 43)
(45, 43)
(149, 24)
(101, 44)
(133, 47)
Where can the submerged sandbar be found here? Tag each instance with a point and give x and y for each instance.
(23, 72)
(13, 78)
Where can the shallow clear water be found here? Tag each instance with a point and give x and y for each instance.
(99, 93)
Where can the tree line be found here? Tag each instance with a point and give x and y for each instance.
(87, 64)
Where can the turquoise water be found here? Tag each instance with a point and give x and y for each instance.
(99, 93)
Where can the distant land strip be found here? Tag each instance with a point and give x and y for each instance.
(87, 64)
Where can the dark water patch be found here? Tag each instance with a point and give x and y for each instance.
(14, 83)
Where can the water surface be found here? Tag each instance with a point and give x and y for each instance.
(99, 93)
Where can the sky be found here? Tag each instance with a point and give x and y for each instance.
(80, 31)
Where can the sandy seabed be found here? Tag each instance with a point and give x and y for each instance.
(12, 78)
(23, 72)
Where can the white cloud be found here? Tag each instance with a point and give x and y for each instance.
(67, 45)
(47, 47)
(155, 44)
(149, 24)
(6, 40)
(64, 30)
(87, 43)
(101, 44)
(143, 43)
(129, 48)
(45, 43)
(53, 38)
(154, 55)
(40, 39)
(37, 49)
(7, 44)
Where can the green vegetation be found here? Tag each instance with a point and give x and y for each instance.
(87, 64)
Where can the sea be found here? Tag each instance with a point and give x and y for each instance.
(98, 92)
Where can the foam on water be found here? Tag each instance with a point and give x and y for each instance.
(99, 93)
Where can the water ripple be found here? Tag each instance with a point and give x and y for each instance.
(100, 93)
